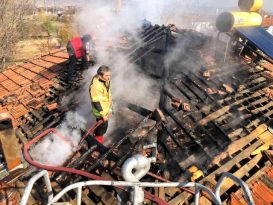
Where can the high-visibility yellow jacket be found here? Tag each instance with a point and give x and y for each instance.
(100, 96)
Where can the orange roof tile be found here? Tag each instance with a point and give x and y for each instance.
(54, 59)
(37, 69)
(10, 85)
(42, 63)
(2, 77)
(29, 74)
(27, 84)
(61, 54)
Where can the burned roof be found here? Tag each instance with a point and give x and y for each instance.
(220, 124)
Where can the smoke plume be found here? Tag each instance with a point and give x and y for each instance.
(107, 22)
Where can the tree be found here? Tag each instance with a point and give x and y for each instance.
(12, 14)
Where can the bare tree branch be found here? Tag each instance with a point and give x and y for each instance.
(12, 14)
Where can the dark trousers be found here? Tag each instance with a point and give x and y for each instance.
(72, 66)
(101, 130)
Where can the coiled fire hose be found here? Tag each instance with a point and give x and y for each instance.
(72, 170)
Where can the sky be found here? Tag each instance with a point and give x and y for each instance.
(268, 4)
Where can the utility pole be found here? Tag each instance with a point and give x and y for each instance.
(45, 6)
(54, 6)
(118, 5)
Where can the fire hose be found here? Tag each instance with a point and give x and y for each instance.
(72, 170)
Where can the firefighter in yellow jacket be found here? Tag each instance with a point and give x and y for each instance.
(101, 100)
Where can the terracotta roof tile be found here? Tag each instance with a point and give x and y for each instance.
(28, 74)
(61, 54)
(19, 70)
(9, 85)
(49, 74)
(23, 81)
(18, 111)
(54, 59)
(2, 77)
(3, 92)
(42, 63)
(46, 85)
(57, 50)
(27, 84)
(57, 68)
(9, 73)
(37, 69)
(52, 106)
(27, 65)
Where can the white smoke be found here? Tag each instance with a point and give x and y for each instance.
(107, 24)
(56, 148)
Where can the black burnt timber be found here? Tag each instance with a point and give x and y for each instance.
(243, 95)
(174, 138)
(190, 134)
(95, 194)
(218, 127)
(245, 98)
(36, 114)
(253, 124)
(67, 197)
(199, 107)
(226, 167)
(196, 134)
(254, 102)
(238, 70)
(184, 148)
(116, 145)
(148, 39)
(222, 132)
(235, 160)
(157, 32)
(75, 164)
(194, 81)
(20, 135)
(26, 130)
(201, 128)
(138, 109)
(51, 118)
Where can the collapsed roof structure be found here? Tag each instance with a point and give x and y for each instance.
(222, 122)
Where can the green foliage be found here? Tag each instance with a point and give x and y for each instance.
(64, 34)
(48, 27)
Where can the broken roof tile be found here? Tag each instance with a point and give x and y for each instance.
(57, 68)
(46, 85)
(52, 106)
(23, 83)
(49, 74)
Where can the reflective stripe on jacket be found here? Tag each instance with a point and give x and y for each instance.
(100, 96)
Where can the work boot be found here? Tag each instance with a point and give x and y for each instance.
(99, 139)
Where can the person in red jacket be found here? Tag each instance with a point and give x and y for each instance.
(78, 48)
